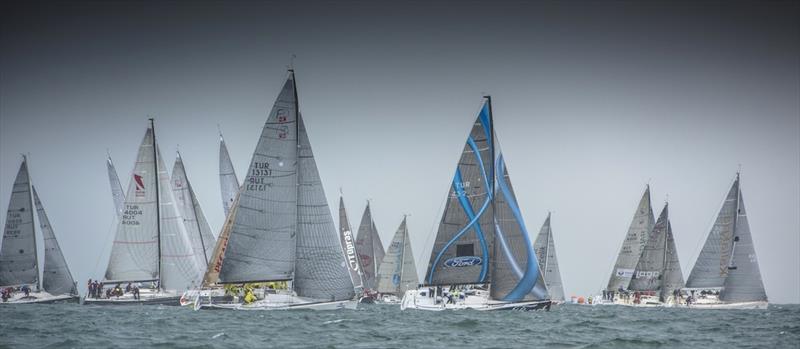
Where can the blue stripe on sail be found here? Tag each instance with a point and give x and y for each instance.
(507, 251)
(484, 117)
(471, 215)
(528, 281)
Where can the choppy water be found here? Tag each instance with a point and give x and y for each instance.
(383, 326)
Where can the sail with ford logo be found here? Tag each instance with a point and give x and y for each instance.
(482, 241)
(658, 269)
(370, 249)
(633, 245)
(398, 272)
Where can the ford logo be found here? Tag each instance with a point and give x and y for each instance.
(464, 261)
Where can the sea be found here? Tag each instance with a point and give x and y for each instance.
(386, 326)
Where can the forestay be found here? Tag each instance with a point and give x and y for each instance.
(18, 261)
(261, 246)
(56, 278)
(632, 247)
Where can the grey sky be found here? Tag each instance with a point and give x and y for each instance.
(591, 101)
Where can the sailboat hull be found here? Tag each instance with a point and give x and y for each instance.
(413, 299)
(42, 298)
(272, 305)
(760, 305)
(146, 297)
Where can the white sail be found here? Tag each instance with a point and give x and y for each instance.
(56, 278)
(193, 218)
(134, 253)
(116, 187)
(228, 183)
(635, 240)
(548, 262)
(397, 272)
(179, 266)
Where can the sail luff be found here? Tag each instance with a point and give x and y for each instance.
(56, 278)
(18, 258)
(633, 245)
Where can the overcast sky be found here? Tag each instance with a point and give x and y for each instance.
(591, 102)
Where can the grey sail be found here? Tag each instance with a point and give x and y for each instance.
(369, 248)
(228, 183)
(180, 269)
(134, 253)
(261, 246)
(546, 254)
(116, 187)
(516, 274)
(462, 249)
(649, 273)
(634, 243)
(348, 241)
(194, 220)
(743, 283)
(321, 270)
(56, 278)
(398, 272)
(673, 276)
(18, 260)
(711, 267)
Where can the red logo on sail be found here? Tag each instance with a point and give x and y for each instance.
(139, 185)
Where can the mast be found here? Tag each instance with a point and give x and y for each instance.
(158, 199)
(493, 182)
(734, 238)
(35, 247)
(547, 245)
(297, 143)
(403, 254)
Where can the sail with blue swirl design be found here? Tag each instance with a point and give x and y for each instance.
(516, 275)
(462, 251)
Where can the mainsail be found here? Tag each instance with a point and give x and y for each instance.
(116, 188)
(200, 236)
(632, 247)
(370, 249)
(728, 258)
(398, 272)
(261, 246)
(482, 236)
(18, 258)
(349, 246)
(56, 278)
(228, 183)
(546, 253)
(658, 268)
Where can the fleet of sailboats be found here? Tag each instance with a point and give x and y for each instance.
(279, 248)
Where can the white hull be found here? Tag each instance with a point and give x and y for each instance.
(761, 305)
(146, 297)
(40, 298)
(480, 301)
(278, 302)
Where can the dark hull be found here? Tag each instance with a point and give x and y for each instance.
(171, 301)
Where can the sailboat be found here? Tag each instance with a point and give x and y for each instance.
(348, 242)
(282, 230)
(657, 279)
(116, 187)
(545, 248)
(200, 236)
(19, 262)
(638, 233)
(151, 244)
(483, 256)
(228, 183)
(398, 272)
(370, 254)
(726, 274)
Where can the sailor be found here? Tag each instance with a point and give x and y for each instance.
(27, 290)
(136, 292)
(128, 288)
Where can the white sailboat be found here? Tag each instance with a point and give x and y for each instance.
(151, 249)
(398, 272)
(282, 229)
(370, 254)
(483, 256)
(545, 248)
(19, 262)
(726, 274)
